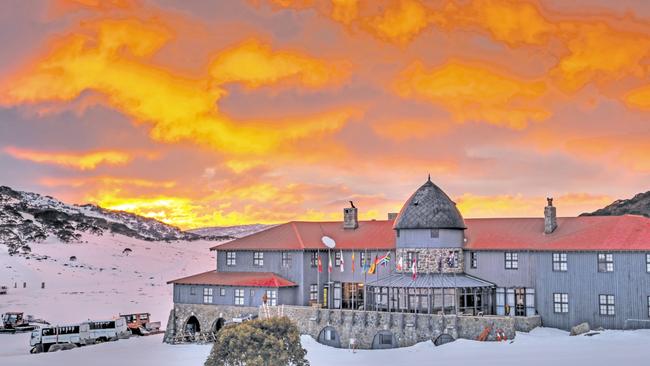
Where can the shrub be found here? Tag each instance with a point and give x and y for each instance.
(268, 342)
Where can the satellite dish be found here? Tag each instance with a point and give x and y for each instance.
(329, 242)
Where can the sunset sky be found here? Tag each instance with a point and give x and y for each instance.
(205, 113)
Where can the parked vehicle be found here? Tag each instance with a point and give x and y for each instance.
(105, 330)
(51, 339)
(140, 324)
(13, 322)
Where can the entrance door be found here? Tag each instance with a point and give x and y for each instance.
(520, 302)
(338, 294)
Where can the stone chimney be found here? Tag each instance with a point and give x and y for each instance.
(392, 215)
(350, 218)
(550, 217)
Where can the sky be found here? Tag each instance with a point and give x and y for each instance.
(210, 113)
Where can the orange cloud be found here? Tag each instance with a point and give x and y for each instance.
(638, 98)
(104, 181)
(405, 129)
(254, 64)
(631, 151)
(112, 59)
(601, 54)
(81, 161)
(518, 205)
(345, 11)
(400, 22)
(475, 93)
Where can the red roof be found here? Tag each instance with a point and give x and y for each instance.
(245, 279)
(572, 234)
(299, 235)
(626, 232)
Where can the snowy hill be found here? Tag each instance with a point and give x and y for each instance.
(27, 217)
(232, 231)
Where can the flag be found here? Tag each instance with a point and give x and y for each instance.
(320, 265)
(373, 266)
(353, 261)
(383, 260)
(414, 269)
(329, 262)
(400, 264)
(342, 262)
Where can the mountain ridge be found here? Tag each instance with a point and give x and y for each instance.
(27, 217)
(637, 205)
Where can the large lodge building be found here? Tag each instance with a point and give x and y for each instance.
(429, 260)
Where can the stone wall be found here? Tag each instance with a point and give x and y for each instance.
(408, 328)
(527, 323)
(434, 260)
(207, 315)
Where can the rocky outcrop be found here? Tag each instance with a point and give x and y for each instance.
(637, 205)
(581, 328)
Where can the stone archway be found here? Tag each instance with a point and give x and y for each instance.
(384, 339)
(218, 324)
(192, 325)
(330, 337)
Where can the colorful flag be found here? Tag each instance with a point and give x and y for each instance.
(414, 269)
(342, 262)
(329, 262)
(373, 265)
(320, 265)
(400, 264)
(353, 261)
(383, 260)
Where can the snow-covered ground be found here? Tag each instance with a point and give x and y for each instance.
(104, 282)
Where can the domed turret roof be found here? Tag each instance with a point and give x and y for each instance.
(429, 208)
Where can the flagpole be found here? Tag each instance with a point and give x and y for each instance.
(365, 291)
(318, 277)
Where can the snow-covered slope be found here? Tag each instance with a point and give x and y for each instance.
(30, 217)
(232, 231)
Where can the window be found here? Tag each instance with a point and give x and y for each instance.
(239, 296)
(397, 232)
(258, 259)
(286, 259)
(410, 256)
(314, 259)
(252, 293)
(605, 262)
(271, 297)
(330, 335)
(473, 259)
(222, 292)
(648, 306)
(362, 259)
(385, 339)
(647, 262)
(452, 259)
(337, 259)
(512, 260)
(559, 262)
(313, 292)
(207, 295)
(192, 290)
(435, 233)
(560, 303)
(606, 303)
(231, 258)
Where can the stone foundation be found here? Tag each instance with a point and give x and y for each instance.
(207, 315)
(406, 328)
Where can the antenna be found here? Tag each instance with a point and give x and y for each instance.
(329, 242)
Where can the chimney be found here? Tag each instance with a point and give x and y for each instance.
(392, 215)
(550, 217)
(350, 219)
